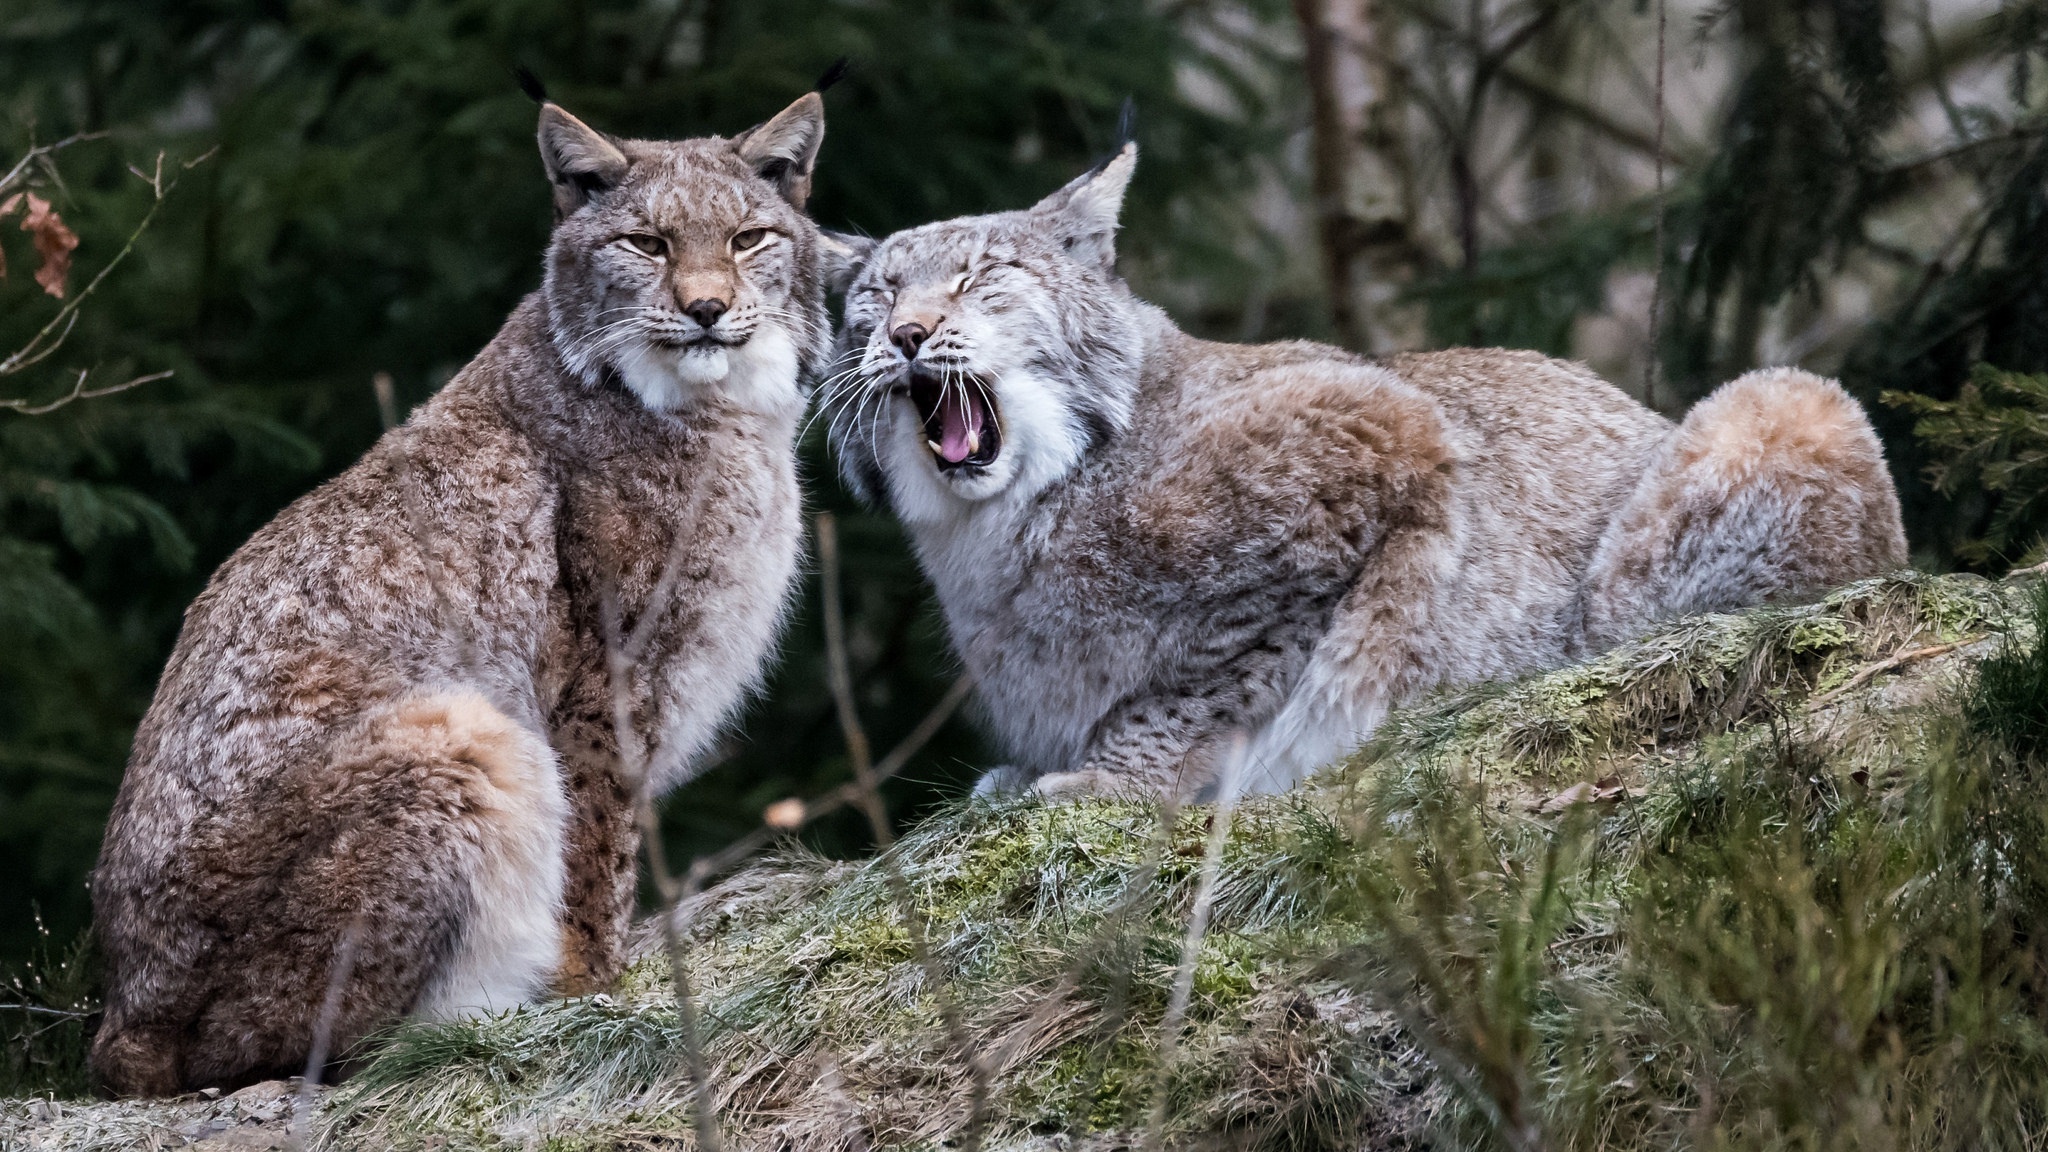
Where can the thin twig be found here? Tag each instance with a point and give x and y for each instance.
(339, 970)
(80, 392)
(1191, 943)
(705, 867)
(38, 152)
(1896, 660)
(1653, 371)
(634, 764)
(68, 1013)
(1115, 925)
(870, 800)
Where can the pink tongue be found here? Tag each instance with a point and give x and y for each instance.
(956, 417)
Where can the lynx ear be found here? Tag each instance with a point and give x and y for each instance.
(581, 161)
(783, 149)
(1084, 213)
(841, 257)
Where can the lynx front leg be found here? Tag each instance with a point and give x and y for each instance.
(1178, 743)
(604, 838)
(1773, 486)
(1154, 751)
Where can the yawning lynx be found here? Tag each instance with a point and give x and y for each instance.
(384, 753)
(1145, 542)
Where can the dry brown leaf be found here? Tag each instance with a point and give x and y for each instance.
(54, 242)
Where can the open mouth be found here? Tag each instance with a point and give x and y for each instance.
(961, 425)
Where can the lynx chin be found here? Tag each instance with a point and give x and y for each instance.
(1145, 544)
(388, 730)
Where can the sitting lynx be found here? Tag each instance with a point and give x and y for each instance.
(1144, 543)
(388, 720)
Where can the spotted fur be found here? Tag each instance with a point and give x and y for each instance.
(388, 719)
(1177, 541)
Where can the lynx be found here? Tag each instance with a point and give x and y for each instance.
(1146, 544)
(381, 775)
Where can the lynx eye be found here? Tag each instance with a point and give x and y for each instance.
(749, 239)
(975, 276)
(648, 245)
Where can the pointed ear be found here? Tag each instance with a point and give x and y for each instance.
(1084, 213)
(581, 161)
(783, 149)
(841, 257)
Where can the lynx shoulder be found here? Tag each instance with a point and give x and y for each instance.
(382, 764)
(1146, 544)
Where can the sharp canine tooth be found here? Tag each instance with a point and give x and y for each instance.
(933, 445)
(973, 442)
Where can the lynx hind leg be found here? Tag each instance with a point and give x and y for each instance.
(1775, 485)
(435, 839)
(515, 838)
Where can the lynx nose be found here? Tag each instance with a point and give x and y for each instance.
(706, 311)
(909, 337)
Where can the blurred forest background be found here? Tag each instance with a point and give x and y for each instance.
(337, 190)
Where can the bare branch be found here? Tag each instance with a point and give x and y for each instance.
(80, 392)
(38, 154)
(40, 1010)
(53, 334)
(979, 1069)
(633, 763)
(809, 811)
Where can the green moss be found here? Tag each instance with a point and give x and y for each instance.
(1817, 633)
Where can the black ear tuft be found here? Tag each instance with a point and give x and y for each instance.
(834, 74)
(530, 84)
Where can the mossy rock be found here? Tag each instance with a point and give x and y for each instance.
(1697, 891)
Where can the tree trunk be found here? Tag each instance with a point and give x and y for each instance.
(1364, 187)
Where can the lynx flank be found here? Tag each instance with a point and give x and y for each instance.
(1145, 543)
(388, 718)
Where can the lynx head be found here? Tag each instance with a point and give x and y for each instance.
(686, 270)
(987, 355)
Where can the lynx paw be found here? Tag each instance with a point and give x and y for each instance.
(1087, 782)
(1003, 780)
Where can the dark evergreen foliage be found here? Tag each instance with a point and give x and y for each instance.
(2010, 703)
(1991, 447)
